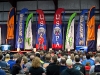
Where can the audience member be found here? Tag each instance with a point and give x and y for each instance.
(47, 61)
(11, 62)
(70, 70)
(53, 68)
(18, 67)
(36, 68)
(29, 64)
(96, 67)
(78, 65)
(2, 63)
(2, 72)
(62, 64)
(88, 60)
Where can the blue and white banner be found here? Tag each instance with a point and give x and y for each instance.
(80, 34)
(20, 29)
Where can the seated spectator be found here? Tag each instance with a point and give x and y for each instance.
(70, 70)
(36, 68)
(53, 68)
(2, 63)
(29, 64)
(88, 60)
(25, 59)
(62, 64)
(18, 67)
(92, 56)
(78, 65)
(7, 57)
(96, 67)
(11, 62)
(38, 55)
(87, 68)
(2, 72)
(15, 57)
(47, 61)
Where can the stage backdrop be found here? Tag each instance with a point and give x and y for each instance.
(49, 28)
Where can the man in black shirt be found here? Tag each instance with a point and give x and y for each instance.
(78, 65)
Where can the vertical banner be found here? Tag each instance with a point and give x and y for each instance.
(80, 34)
(0, 36)
(20, 29)
(28, 32)
(41, 31)
(57, 40)
(98, 39)
(10, 26)
(69, 43)
(91, 28)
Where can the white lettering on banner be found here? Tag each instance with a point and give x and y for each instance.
(20, 24)
(81, 26)
(57, 37)
(57, 23)
(42, 17)
(57, 16)
(57, 44)
(41, 23)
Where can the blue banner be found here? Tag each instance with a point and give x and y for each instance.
(80, 34)
(41, 31)
(57, 39)
(20, 29)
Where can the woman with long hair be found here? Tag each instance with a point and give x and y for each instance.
(36, 68)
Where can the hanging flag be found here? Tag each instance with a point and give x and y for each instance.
(69, 43)
(80, 34)
(0, 35)
(28, 32)
(98, 39)
(91, 29)
(20, 29)
(57, 40)
(10, 25)
(41, 31)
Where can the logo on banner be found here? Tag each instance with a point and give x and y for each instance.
(81, 42)
(57, 30)
(20, 40)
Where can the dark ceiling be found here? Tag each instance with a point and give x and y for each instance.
(13, 2)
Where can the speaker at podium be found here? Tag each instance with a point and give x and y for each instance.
(5, 47)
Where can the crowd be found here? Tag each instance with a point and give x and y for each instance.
(50, 63)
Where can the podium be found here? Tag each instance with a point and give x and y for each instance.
(5, 47)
